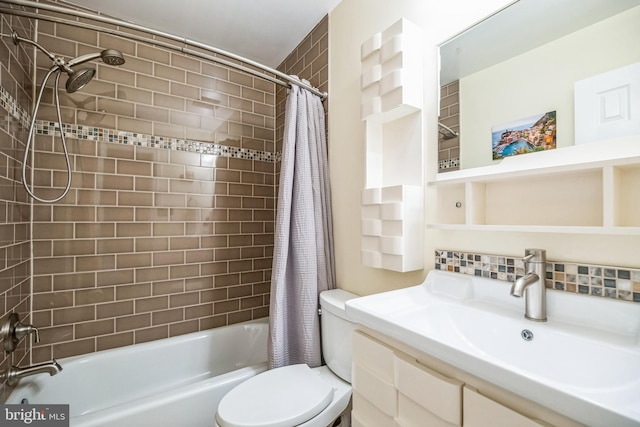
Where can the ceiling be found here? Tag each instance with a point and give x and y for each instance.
(265, 31)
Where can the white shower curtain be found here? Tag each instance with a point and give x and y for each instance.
(303, 263)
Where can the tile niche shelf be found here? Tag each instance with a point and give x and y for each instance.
(391, 106)
(588, 189)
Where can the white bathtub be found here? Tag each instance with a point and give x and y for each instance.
(172, 382)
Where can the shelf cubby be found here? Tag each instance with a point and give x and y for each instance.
(581, 189)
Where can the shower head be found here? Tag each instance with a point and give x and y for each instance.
(112, 57)
(108, 56)
(78, 79)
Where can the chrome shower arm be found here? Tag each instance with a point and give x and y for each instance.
(17, 39)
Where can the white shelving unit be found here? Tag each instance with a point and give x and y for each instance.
(392, 98)
(591, 188)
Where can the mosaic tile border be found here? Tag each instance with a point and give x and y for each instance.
(130, 138)
(448, 164)
(587, 279)
(10, 104)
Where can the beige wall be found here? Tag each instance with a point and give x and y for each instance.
(352, 22)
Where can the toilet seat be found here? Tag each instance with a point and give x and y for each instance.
(281, 397)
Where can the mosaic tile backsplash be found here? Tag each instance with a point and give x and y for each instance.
(445, 165)
(597, 280)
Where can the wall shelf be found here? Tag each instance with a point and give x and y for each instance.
(584, 189)
(392, 200)
(624, 231)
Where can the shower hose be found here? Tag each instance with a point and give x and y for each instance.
(30, 138)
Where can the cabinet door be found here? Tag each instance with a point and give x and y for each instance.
(480, 411)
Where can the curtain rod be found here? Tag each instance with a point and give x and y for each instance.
(286, 81)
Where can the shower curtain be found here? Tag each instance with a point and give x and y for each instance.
(303, 263)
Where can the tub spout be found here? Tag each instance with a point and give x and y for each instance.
(13, 375)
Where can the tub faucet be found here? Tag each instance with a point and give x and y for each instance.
(13, 375)
(532, 286)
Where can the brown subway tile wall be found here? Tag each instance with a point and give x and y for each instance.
(168, 227)
(16, 65)
(167, 245)
(157, 237)
(309, 61)
(162, 93)
(449, 149)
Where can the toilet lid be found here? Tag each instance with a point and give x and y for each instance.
(281, 397)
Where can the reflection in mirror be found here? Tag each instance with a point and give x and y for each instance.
(523, 61)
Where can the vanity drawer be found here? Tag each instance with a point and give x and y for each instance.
(410, 414)
(365, 414)
(480, 411)
(374, 356)
(436, 393)
(378, 392)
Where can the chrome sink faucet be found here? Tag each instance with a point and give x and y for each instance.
(532, 285)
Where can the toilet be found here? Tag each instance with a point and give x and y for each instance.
(297, 395)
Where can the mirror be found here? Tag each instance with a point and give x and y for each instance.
(523, 61)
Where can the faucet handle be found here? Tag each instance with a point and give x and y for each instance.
(12, 331)
(535, 255)
(21, 331)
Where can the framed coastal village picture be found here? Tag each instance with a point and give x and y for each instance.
(535, 133)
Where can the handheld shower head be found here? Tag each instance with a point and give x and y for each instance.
(112, 57)
(108, 56)
(78, 79)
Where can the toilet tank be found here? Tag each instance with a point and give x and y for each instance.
(336, 331)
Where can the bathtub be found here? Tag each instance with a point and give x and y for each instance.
(171, 382)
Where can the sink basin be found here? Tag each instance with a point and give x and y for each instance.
(584, 362)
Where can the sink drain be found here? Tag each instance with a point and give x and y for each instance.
(526, 335)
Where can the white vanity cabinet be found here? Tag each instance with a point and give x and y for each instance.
(391, 388)
(395, 387)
